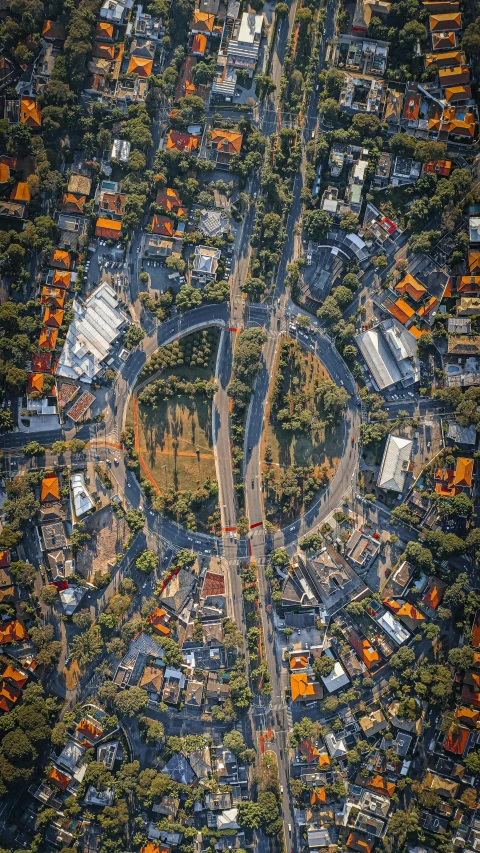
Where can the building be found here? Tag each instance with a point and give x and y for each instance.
(361, 549)
(390, 352)
(393, 628)
(244, 46)
(205, 263)
(120, 150)
(336, 679)
(96, 325)
(405, 171)
(361, 95)
(225, 144)
(81, 500)
(395, 463)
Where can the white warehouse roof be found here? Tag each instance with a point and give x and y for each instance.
(395, 462)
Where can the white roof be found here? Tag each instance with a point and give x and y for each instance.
(380, 361)
(250, 28)
(71, 598)
(228, 819)
(82, 501)
(393, 628)
(120, 149)
(394, 467)
(337, 678)
(95, 326)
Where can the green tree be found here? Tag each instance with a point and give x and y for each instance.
(133, 337)
(130, 702)
(147, 562)
(317, 224)
(86, 646)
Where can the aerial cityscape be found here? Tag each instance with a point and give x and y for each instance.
(239, 404)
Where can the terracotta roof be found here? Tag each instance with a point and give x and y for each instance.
(453, 121)
(445, 22)
(412, 106)
(140, 65)
(199, 43)
(429, 306)
(66, 392)
(439, 167)
(411, 286)
(458, 93)
(411, 612)
(299, 661)
(469, 283)
(53, 30)
(21, 192)
(53, 317)
(402, 311)
(460, 75)
(4, 173)
(108, 228)
(473, 261)
(301, 687)
(369, 654)
(104, 51)
(48, 338)
(467, 715)
(61, 278)
(152, 678)
(89, 731)
(42, 362)
(74, 203)
(81, 406)
(381, 786)
(169, 199)
(50, 489)
(10, 692)
(104, 29)
(14, 631)
(434, 594)
(463, 472)
(30, 113)
(229, 141)
(358, 842)
(441, 41)
(456, 739)
(447, 59)
(203, 21)
(14, 675)
(214, 584)
(5, 705)
(60, 779)
(4, 559)
(182, 141)
(157, 619)
(309, 751)
(162, 225)
(318, 795)
(115, 202)
(35, 382)
(53, 296)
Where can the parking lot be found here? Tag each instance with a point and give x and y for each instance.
(105, 259)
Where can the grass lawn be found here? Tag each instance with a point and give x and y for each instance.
(175, 438)
(320, 448)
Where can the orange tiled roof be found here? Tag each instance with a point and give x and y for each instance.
(59, 778)
(53, 317)
(456, 739)
(445, 22)
(74, 203)
(89, 730)
(469, 283)
(35, 382)
(13, 632)
(61, 258)
(162, 225)
(21, 192)
(417, 333)
(140, 65)
(467, 714)
(42, 362)
(458, 93)
(381, 786)
(411, 286)
(412, 107)
(199, 43)
(53, 296)
(298, 662)
(4, 559)
(4, 173)
(359, 842)
(429, 306)
(463, 472)
(453, 121)
(11, 692)
(182, 141)
(439, 167)
(369, 654)
(473, 261)
(460, 75)
(104, 51)
(203, 21)
(402, 311)
(229, 141)
(61, 278)
(48, 338)
(411, 612)
(170, 201)
(50, 489)
(30, 113)
(108, 228)
(442, 41)
(156, 620)
(323, 759)
(301, 687)
(318, 795)
(14, 675)
(432, 597)
(447, 59)
(104, 29)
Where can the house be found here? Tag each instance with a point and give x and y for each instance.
(445, 22)
(178, 769)
(205, 263)
(390, 352)
(336, 679)
(450, 482)
(405, 171)
(336, 745)
(395, 463)
(82, 502)
(361, 549)
(302, 688)
(194, 697)
(152, 681)
(173, 684)
(434, 593)
(169, 200)
(186, 142)
(393, 628)
(457, 740)
(120, 150)
(163, 226)
(200, 760)
(168, 807)
(30, 113)
(109, 229)
(373, 723)
(50, 489)
(225, 144)
(115, 11)
(203, 22)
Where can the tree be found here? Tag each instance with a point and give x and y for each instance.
(461, 658)
(48, 649)
(317, 224)
(16, 379)
(76, 445)
(420, 557)
(133, 337)
(323, 666)
(188, 297)
(58, 447)
(130, 702)
(82, 619)
(472, 762)
(329, 110)
(234, 741)
(402, 659)
(311, 542)
(281, 11)
(135, 520)
(86, 646)
(403, 145)
(23, 573)
(147, 562)
(175, 264)
(173, 655)
(48, 594)
(153, 731)
(333, 80)
(342, 295)
(349, 222)
(471, 39)
(33, 448)
(329, 312)
(280, 558)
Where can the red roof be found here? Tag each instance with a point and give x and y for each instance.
(214, 584)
